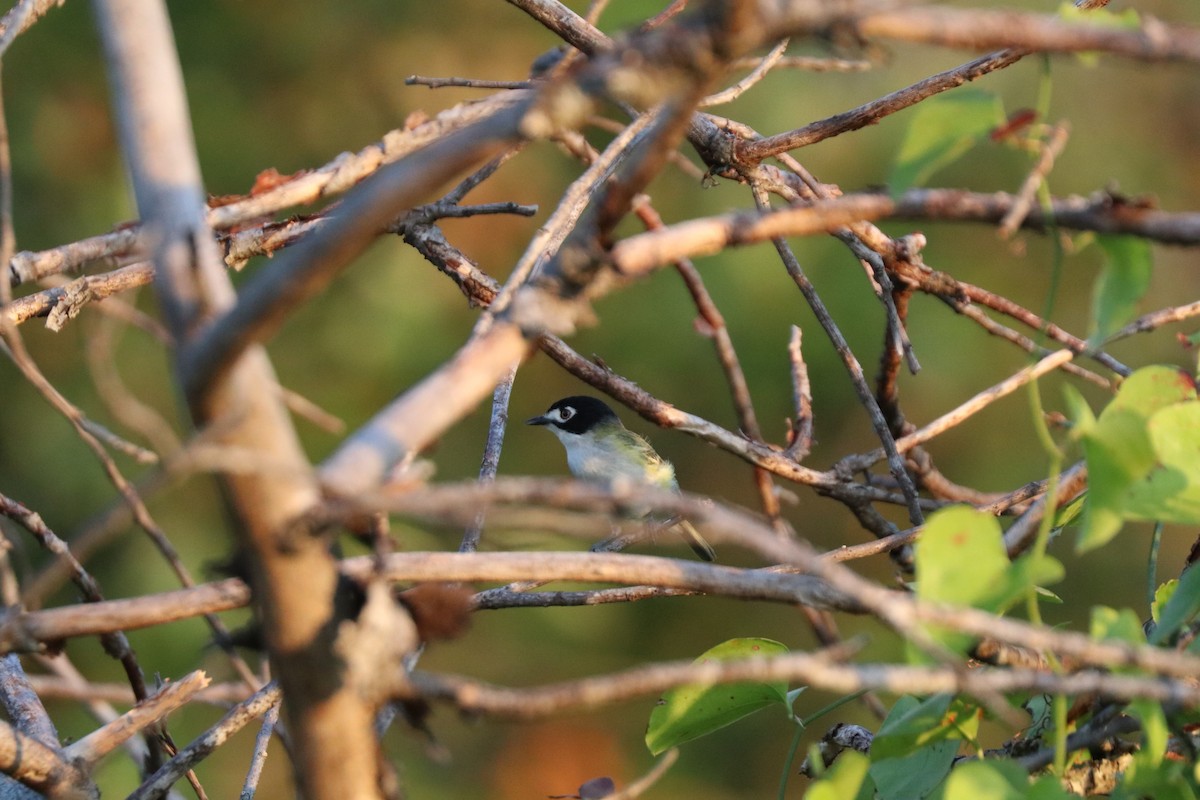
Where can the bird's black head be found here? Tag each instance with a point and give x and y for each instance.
(578, 414)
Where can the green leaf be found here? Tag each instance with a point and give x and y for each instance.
(689, 712)
(960, 556)
(1000, 780)
(1155, 732)
(914, 776)
(912, 724)
(916, 745)
(1165, 781)
(1123, 281)
(1069, 513)
(1171, 492)
(941, 130)
(961, 560)
(847, 779)
(1083, 421)
(1122, 626)
(1121, 450)
(1048, 787)
(1151, 388)
(1181, 608)
(1098, 17)
(1162, 596)
(987, 780)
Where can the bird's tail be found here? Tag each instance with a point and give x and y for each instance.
(698, 543)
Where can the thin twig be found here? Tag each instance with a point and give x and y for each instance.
(735, 377)
(857, 379)
(809, 63)
(802, 426)
(962, 412)
(259, 757)
(238, 717)
(1051, 149)
(491, 454)
(99, 743)
(870, 113)
(1021, 534)
(813, 669)
(469, 83)
(765, 65)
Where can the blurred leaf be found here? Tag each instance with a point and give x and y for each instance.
(1122, 626)
(689, 712)
(1155, 732)
(961, 560)
(1099, 17)
(903, 766)
(1161, 597)
(1167, 780)
(1000, 780)
(1182, 606)
(1048, 595)
(1079, 412)
(916, 724)
(1071, 512)
(1151, 388)
(847, 779)
(960, 556)
(1047, 787)
(1123, 281)
(1171, 492)
(941, 130)
(1123, 448)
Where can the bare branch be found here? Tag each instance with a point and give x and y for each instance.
(870, 113)
(99, 743)
(964, 411)
(816, 669)
(986, 30)
(238, 717)
(42, 768)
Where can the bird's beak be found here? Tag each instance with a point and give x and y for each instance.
(538, 420)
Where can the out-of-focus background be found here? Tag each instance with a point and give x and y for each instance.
(276, 84)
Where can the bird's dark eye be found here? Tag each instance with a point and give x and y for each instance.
(565, 413)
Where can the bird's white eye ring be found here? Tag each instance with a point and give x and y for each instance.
(565, 413)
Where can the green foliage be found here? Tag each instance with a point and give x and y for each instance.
(1141, 454)
(1129, 19)
(999, 780)
(940, 131)
(689, 712)
(962, 561)
(1123, 281)
(1122, 626)
(916, 745)
(1176, 604)
(913, 724)
(1152, 776)
(847, 779)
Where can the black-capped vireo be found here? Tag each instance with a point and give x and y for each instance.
(601, 449)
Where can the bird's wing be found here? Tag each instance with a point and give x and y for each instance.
(659, 471)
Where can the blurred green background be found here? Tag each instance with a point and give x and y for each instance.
(275, 84)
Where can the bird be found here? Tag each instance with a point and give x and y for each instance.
(602, 450)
